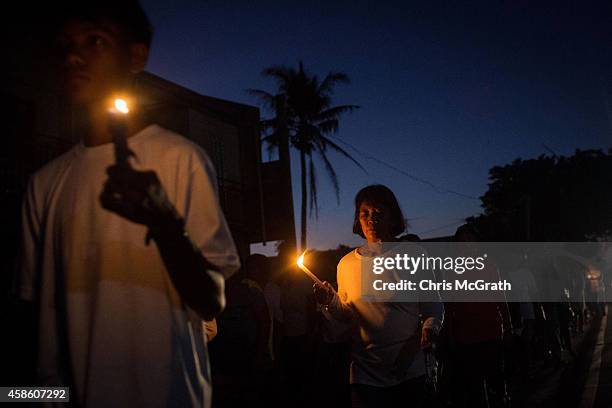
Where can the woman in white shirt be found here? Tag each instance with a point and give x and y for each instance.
(387, 363)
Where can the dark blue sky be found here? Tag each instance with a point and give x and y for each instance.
(446, 91)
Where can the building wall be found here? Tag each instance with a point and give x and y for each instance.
(228, 132)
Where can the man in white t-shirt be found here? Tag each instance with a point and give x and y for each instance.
(124, 258)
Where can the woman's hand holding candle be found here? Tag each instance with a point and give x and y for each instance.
(324, 292)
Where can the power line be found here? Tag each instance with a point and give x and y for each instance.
(549, 149)
(438, 189)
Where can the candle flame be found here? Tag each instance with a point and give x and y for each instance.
(121, 106)
(300, 261)
(300, 264)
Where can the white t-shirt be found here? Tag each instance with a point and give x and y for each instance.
(382, 329)
(111, 322)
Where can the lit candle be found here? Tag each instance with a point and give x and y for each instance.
(300, 264)
(118, 128)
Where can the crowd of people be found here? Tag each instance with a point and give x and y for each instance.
(329, 347)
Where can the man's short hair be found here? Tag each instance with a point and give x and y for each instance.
(377, 194)
(127, 14)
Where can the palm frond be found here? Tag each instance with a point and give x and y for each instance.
(329, 126)
(312, 176)
(331, 173)
(333, 113)
(343, 152)
(266, 99)
(331, 80)
(282, 74)
(305, 137)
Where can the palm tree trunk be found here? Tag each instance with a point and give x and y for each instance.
(303, 220)
(285, 157)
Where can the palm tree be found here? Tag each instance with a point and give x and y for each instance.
(304, 118)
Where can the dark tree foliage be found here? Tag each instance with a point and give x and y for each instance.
(551, 198)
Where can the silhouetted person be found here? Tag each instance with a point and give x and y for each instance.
(333, 361)
(273, 295)
(296, 345)
(240, 353)
(473, 333)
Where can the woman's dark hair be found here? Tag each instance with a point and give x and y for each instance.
(379, 195)
(127, 14)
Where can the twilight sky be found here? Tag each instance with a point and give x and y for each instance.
(446, 92)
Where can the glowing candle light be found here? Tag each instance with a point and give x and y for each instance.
(121, 106)
(118, 126)
(300, 264)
